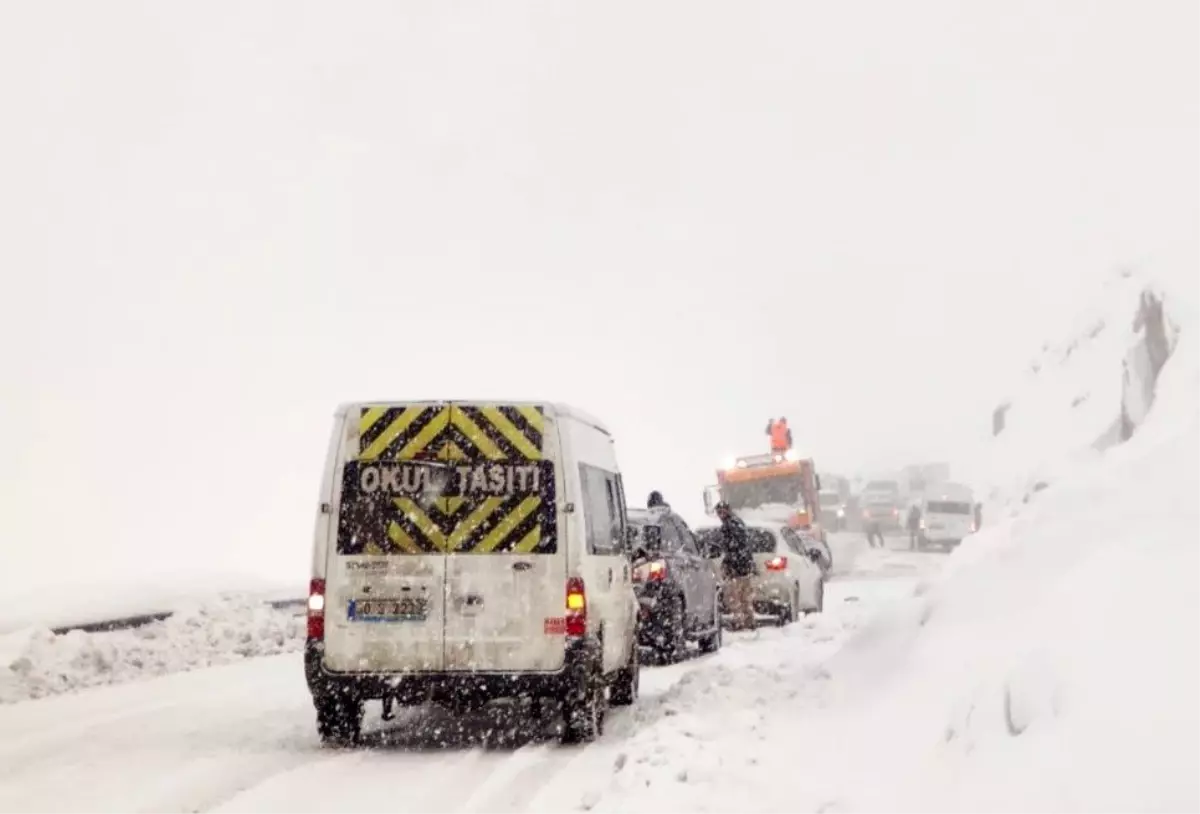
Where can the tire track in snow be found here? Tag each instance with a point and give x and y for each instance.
(375, 779)
(507, 789)
(426, 761)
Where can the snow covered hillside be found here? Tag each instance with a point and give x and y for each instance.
(1054, 663)
(1086, 391)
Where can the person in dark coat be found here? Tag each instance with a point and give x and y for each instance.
(738, 565)
(874, 532)
(914, 525)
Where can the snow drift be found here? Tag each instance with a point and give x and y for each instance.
(35, 663)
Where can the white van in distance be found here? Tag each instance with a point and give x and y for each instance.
(947, 515)
(467, 551)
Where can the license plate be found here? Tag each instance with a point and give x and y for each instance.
(404, 609)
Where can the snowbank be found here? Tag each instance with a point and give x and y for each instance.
(35, 663)
(1054, 663)
(730, 735)
(68, 604)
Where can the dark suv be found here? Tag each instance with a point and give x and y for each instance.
(677, 585)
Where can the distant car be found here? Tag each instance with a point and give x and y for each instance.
(833, 511)
(677, 586)
(788, 578)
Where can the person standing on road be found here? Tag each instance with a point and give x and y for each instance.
(914, 526)
(873, 530)
(738, 565)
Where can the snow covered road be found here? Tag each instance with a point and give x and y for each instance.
(242, 737)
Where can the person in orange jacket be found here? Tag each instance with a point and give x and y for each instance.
(780, 435)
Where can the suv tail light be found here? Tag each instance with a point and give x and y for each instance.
(650, 572)
(777, 564)
(576, 607)
(316, 609)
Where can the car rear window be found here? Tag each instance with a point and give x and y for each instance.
(761, 540)
(947, 507)
(637, 529)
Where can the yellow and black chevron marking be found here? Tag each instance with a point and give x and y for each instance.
(499, 496)
(519, 524)
(493, 524)
(460, 432)
(398, 433)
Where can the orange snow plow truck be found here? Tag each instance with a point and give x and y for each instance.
(778, 486)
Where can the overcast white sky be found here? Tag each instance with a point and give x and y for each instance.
(685, 217)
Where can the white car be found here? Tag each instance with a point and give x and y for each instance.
(788, 578)
(466, 552)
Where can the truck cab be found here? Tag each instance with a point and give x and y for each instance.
(778, 487)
